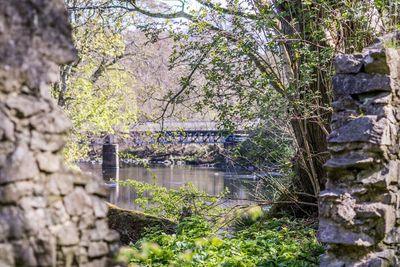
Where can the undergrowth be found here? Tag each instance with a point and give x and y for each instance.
(274, 242)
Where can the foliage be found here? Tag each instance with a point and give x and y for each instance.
(269, 151)
(105, 107)
(273, 59)
(213, 236)
(267, 147)
(95, 91)
(277, 242)
(257, 60)
(174, 204)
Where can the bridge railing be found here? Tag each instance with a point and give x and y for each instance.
(187, 137)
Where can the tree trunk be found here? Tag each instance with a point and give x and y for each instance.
(311, 155)
(310, 132)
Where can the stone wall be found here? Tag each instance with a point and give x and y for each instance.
(359, 210)
(49, 216)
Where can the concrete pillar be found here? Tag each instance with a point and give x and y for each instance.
(359, 210)
(112, 174)
(110, 156)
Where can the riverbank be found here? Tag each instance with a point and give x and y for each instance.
(211, 180)
(202, 232)
(208, 234)
(190, 154)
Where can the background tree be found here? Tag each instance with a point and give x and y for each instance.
(274, 58)
(264, 59)
(96, 90)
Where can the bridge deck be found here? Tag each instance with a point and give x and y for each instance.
(200, 132)
(193, 132)
(178, 126)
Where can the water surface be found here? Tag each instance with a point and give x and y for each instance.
(210, 180)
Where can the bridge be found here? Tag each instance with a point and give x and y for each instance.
(192, 132)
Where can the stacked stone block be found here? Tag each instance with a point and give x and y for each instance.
(49, 215)
(359, 210)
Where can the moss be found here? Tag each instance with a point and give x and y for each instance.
(133, 225)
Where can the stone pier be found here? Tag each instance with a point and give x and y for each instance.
(49, 215)
(110, 154)
(359, 210)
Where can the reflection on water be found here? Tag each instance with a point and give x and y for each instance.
(210, 180)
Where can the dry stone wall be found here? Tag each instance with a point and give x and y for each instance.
(359, 210)
(49, 216)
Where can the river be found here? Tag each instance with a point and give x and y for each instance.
(211, 180)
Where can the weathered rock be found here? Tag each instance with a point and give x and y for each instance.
(64, 182)
(21, 157)
(360, 210)
(45, 214)
(6, 255)
(67, 234)
(77, 201)
(344, 103)
(96, 188)
(6, 127)
(83, 257)
(374, 210)
(394, 236)
(375, 98)
(329, 194)
(58, 213)
(347, 84)
(48, 162)
(348, 63)
(335, 234)
(100, 232)
(386, 258)
(26, 105)
(87, 221)
(375, 61)
(99, 207)
(97, 249)
(53, 123)
(131, 224)
(349, 161)
(11, 193)
(345, 211)
(97, 262)
(365, 129)
(327, 261)
(46, 142)
(4, 230)
(69, 254)
(112, 236)
(340, 119)
(16, 216)
(25, 252)
(382, 179)
(37, 220)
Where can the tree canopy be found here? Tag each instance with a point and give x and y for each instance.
(269, 61)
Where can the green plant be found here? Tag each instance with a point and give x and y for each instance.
(95, 90)
(277, 242)
(175, 204)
